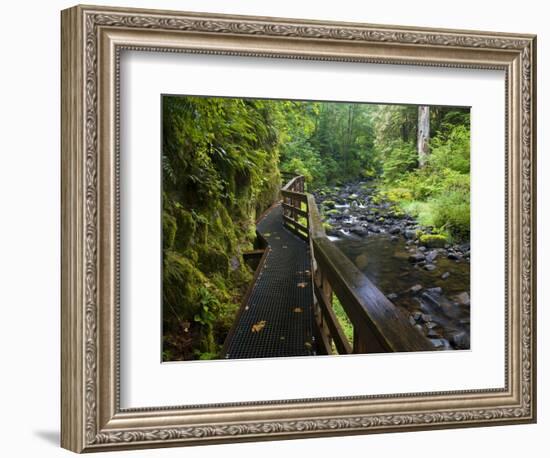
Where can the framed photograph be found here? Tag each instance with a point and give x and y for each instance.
(278, 228)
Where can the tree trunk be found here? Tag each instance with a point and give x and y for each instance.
(423, 134)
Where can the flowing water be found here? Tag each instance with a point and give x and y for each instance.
(436, 300)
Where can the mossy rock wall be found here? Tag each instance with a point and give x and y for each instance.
(220, 171)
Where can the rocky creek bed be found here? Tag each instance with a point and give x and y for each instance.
(415, 268)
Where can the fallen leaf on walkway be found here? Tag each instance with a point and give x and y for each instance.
(307, 272)
(298, 310)
(267, 234)
(302, 285)
(307, 345)
(284, 246)
(258, 326)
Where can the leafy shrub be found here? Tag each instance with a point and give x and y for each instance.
(400, 157)
(451, 150)
(451, 212)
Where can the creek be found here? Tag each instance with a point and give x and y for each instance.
(425, 276)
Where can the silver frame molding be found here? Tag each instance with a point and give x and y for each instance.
(92, 39)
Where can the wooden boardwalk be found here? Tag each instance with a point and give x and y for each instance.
(277, 320)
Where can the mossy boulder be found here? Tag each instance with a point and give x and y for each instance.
(180, 284)
(433, 240)
(332, 212)
(329, 203)
(212, 259)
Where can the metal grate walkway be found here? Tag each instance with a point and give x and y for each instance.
(277, 319)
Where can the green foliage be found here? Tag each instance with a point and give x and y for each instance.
(219, 160)
(343, 319)
(439, 193)
(400, 157)
(451, 212)
(451, 151)
(331, 142)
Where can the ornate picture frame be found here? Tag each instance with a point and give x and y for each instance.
(92, 40)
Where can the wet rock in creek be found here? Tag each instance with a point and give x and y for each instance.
(359, 230)
(461, 340)
(435, 290)
(417, 257)
(441, 344)
(431, 256)
(426, 318)
(416, 288)
(462, 299)
(410, 234)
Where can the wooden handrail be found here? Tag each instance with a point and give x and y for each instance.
(293, 196)
(379, 326)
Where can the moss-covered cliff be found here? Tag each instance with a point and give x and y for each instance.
(220, 170)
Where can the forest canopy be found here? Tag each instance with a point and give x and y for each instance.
(221, 160)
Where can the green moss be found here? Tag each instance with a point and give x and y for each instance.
(212, 259)
(433, 240)
(204, 275)
(329, 203)
(332, 212)
(169, 228)
(181, 279)
(186, 227)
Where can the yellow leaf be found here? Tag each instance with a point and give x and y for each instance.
(258, 326)
(307, 345)
(298, 310)
(302, 285)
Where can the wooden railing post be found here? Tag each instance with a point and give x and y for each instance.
(359, 344)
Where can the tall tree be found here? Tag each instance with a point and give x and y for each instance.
(423, 134)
